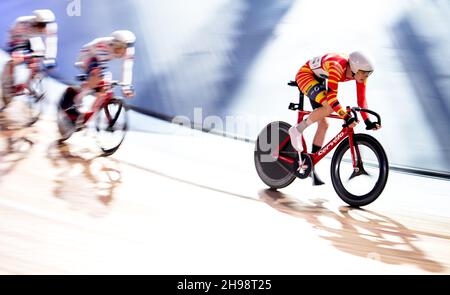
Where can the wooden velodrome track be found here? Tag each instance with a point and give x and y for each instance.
(177, 203)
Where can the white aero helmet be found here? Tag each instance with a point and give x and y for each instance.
(25, 19)
(123, 38)
(44, 16)
(359, 62)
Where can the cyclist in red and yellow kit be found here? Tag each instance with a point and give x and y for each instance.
(311, 81)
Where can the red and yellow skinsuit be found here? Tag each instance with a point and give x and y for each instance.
(333, 67)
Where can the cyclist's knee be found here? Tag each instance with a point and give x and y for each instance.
(9, 68)
(17, 58)
(93, 81)
(327, 108)
(323, 124)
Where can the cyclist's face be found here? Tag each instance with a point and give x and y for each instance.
(120, 51)
(361, 76)
(40, 27)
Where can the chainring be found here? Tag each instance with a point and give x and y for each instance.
(307, 166)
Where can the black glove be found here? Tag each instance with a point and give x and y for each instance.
(349, 120)
(370, 125)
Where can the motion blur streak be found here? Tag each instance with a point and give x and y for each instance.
(234, 57)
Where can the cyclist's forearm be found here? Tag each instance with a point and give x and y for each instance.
(364, 115)
(127, 71)
(362, 102)
(52, 47)
(52, 41)
(82, 59)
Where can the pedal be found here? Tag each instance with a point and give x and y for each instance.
(306, 167)
(79, 125)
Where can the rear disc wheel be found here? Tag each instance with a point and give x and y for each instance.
(274, 172)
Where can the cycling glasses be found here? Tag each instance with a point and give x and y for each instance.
(40, 25)
(366, 72)
(123, 45)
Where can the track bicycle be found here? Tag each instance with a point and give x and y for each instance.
(107, 118)
(23, 102)
(359, 166)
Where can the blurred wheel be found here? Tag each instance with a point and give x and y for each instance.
(111, 125)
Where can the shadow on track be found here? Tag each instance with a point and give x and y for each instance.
(358, 232)
(83, 179)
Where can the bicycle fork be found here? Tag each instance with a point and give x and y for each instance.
(358, 167)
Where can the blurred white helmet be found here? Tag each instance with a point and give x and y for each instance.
(44, 16)
(123, 38)
(25, 19)
(359, 61)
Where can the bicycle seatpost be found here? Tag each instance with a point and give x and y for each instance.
(301, 100)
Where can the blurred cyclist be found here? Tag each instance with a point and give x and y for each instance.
(26, 36)
(311, 81)
(93, 60)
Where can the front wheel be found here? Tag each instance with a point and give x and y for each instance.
(111, 125)
(24, 108)
(274, 172)
(362, 185)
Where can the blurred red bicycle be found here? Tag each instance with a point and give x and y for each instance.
(107, 118)
(24, 100)
(359, 167)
